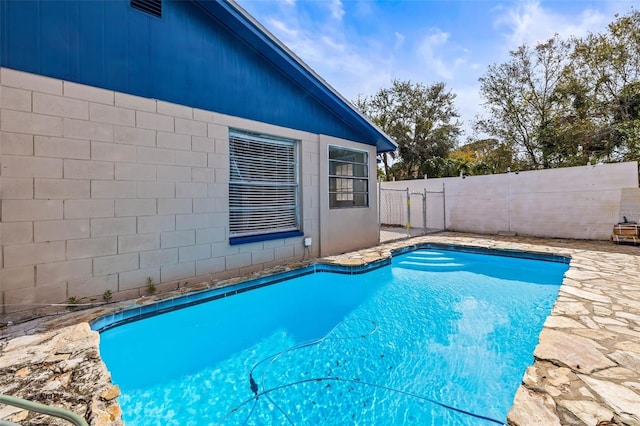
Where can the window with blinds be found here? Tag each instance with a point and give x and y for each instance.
(263, 185)
(348, 178)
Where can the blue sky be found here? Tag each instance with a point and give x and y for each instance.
(360, 46)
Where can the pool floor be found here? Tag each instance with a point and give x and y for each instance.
(439, 337)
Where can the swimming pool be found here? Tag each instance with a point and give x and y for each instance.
(438, 337)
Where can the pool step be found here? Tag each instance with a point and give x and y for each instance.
(430, 266)
(429, 260)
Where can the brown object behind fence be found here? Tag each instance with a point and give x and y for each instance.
(626, 234)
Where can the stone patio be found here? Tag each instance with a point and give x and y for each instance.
(586, 369)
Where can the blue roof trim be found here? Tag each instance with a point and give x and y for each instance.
(207, 54)
(255, 35)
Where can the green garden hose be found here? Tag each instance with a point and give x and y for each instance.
(44, 409)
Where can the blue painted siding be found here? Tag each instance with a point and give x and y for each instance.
(186, 57)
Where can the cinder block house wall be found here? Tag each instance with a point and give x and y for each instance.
(101, 190)
(343, 229)
(116, 156)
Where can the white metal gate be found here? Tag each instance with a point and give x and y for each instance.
(417, 212)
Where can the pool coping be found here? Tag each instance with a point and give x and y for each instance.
(185, 300)
(597, 311)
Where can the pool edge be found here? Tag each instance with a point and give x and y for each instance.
(612, 265)
(227, 288)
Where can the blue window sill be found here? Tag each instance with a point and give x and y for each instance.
(264, 237)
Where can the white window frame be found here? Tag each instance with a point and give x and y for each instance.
(343, 193)
(264, 201)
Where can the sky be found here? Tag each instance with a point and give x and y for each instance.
(361, 46)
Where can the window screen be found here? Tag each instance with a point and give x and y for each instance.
(263, 185)
(348, 178)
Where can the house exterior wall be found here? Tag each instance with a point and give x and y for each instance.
(189, 56)
(101, 189)
(573, 202)
(346, 229)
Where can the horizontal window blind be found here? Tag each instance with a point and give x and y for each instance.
(263, 185)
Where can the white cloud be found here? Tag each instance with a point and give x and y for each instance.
(352, 66)
(428, 53)
(439, 55)
(528, 22)
(361, 51)
(333, 45)
(282, 30)
(469, 105)
(337, 11)
(399, 40)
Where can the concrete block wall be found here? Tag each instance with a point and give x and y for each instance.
(573, 202)
(100, 190)
(630, 204)
(347, 229)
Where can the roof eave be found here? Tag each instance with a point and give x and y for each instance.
(252, 32)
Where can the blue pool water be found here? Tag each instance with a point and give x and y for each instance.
(437, 338)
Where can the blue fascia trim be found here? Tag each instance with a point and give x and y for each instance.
(232, 15)
(264, 237)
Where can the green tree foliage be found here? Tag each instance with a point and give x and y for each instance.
(606, 69)
(486, 156)
(559, 103)
(522, 101)
(421, 119)
(565, 103)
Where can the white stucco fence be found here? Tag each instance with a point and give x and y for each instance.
(574, 202)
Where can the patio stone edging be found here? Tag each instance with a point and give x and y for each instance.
(61, 368)
(586, 369)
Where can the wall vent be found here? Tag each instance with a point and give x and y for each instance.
(152, 7)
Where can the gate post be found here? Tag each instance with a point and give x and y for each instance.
(424, 212)
(444, 207)
(408, 213)
(379, 208)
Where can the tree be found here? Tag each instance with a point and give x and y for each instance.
(485, 156)
(421, 119)
(523, 102)
(606, 68)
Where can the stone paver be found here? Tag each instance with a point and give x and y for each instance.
(586, 369)
(62, 368)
